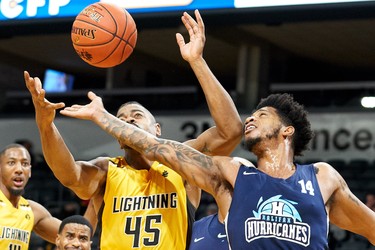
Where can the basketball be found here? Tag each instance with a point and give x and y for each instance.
(104, 35)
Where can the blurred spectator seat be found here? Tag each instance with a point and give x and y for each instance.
(359, 165)
(338, 164)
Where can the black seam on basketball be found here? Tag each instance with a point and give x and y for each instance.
(113, 18)
(122, 35)
(130, 36)
(120, 38)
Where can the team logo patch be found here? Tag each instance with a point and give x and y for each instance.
(25, 207)
(277, 218)
(165, 173)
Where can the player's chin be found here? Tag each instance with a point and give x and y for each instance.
(17, 191)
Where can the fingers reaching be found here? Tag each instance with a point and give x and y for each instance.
(91, 95)
(192, 49)
(180, 40)
(200, 21)
(193, 26)
(34, 85)
(190, 24)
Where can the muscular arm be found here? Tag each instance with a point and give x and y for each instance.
(344, 208)
(195, 167)
(198, 169)
(225, 136)
(91, 215)
(83, 178)
(45, 225)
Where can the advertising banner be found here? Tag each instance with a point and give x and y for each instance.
(42, 9)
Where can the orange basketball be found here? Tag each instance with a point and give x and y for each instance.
(104, 35)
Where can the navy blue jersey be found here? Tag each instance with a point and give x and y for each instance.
(209, 233)
(275, 213)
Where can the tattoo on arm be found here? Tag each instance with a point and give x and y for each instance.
(171, 153)
(206, 150)
(316, 170)
(344, 187)
(171, 150)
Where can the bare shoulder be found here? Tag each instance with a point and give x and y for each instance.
(328, 178)
(243, 161)
(39, 211)
(225, 162)
(323, 167)
(35, 206)
(99, 162)
(229, 166)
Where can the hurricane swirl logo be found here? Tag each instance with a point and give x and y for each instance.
(277, 218)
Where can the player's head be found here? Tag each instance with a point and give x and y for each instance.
(74, 233)
(136, 114)
(289, 114)
(15, 169)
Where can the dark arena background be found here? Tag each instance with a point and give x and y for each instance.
(322, 52)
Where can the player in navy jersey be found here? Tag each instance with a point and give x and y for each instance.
(279, 204)
(209, 233)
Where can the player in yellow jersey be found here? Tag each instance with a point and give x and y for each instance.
(18, 216)
(146, 204)
(75, 232)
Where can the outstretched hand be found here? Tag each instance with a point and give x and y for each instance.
(85, 112)
(45, 110)
(194, 48)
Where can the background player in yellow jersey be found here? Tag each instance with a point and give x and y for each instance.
(145, 203)
(18, 216)
(74, 233)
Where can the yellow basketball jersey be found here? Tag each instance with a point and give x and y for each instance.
(15, 224)
(144, 209)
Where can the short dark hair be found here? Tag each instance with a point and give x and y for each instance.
(13, 145)
(78, 219)
(294, 114)
(129, 103)
(137, 103)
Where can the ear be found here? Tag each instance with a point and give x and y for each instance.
(288, 131)
(57, 241)
(158, 129)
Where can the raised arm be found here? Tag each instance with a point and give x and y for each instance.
(91, 215)
(197, 168)
(82, 177)
(222, 139)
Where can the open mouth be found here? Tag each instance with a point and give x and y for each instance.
(18, 182)
(249, 128)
